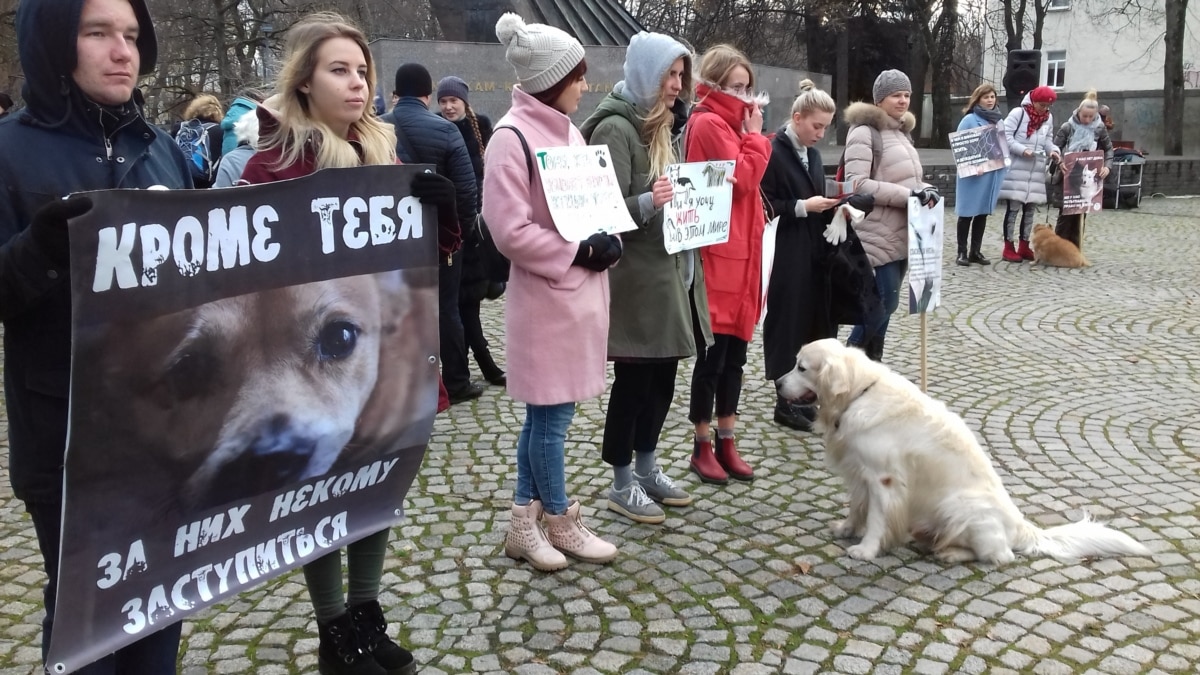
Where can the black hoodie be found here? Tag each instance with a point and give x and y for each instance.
(60, 143)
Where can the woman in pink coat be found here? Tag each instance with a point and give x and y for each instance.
(556, 319)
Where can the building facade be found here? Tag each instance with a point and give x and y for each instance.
(1091, 44)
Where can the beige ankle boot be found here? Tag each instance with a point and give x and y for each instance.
(568, 534)
(527, 541)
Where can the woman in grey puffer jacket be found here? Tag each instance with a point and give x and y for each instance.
(1083, 132)
(1029, 130)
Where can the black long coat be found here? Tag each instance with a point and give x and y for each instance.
(798, 310)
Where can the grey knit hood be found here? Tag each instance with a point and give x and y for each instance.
(647, 60)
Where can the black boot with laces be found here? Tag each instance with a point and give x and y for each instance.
(372, 634)
(340, 651)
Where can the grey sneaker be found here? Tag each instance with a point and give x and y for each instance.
(662, 489)
(633, 503)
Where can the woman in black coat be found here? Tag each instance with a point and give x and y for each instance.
(799, 307)
(484, 270)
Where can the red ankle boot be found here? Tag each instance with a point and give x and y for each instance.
(1010, 252)
(1024, 251)
(727, 455)
(704, 464)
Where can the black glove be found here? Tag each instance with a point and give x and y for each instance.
(596, 254)
(864, 203)
(927, 196)
(613, 252)
(49, 227)
(439, 191)
(431, 188)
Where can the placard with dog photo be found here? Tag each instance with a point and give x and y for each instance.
(925, 234)
(254, 383)
(1083, 188)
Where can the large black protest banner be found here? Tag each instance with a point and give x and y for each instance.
(254, 380)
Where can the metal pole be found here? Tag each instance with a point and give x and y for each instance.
(924, 360)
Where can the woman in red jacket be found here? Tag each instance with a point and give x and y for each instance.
(727, 124)
(324, 94)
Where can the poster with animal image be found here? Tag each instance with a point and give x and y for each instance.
(702, 198)
(979, 150)
(1083, 188)
(925, 233)
(254, 383)
(582, 191)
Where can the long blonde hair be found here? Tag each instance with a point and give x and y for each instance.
(980, 91)
(719, 61)
(297, 127)
(657, 124)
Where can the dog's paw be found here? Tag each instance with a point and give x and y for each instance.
(844, 529)
(862, 552)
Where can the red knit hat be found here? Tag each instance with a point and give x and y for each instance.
(1043, 94)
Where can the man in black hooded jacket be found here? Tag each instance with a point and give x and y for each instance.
(81, 129)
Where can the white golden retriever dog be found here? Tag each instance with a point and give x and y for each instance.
(914, 471)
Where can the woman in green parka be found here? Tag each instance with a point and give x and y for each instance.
(659, 308)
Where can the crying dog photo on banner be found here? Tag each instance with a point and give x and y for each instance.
(254, 381)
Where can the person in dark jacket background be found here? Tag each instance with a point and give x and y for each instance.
(424, 138)
(484, 270)
(798, 295)
(82, 129)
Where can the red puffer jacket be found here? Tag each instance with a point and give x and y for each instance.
(733, 270)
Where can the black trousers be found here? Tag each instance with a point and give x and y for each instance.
(637, 408)
(152, 655)
(970, 231)
(717, 377)
(469, 304)
(456, 373)
(1070, 227)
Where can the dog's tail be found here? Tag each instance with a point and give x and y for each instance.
(1085, 538)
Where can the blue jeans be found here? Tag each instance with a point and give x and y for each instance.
(888, 278)
(541, 456)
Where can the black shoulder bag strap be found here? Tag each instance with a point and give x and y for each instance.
(524, 146)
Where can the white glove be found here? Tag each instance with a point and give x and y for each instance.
(835, 231)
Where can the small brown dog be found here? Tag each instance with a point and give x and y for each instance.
(1051, 249)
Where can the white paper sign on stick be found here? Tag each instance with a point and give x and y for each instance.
(925, 234)
(582, 191)
(698, 213)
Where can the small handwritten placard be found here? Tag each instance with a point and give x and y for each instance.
(698, 213)
(582, 191)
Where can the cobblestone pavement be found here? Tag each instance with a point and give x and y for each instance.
(1084, 386)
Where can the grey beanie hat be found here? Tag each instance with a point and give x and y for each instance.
(542, 55)
(649, 57)
(888, 83)
(452, 86)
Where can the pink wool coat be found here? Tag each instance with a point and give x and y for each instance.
(556, 315)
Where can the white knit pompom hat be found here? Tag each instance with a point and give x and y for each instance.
(542, 55)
